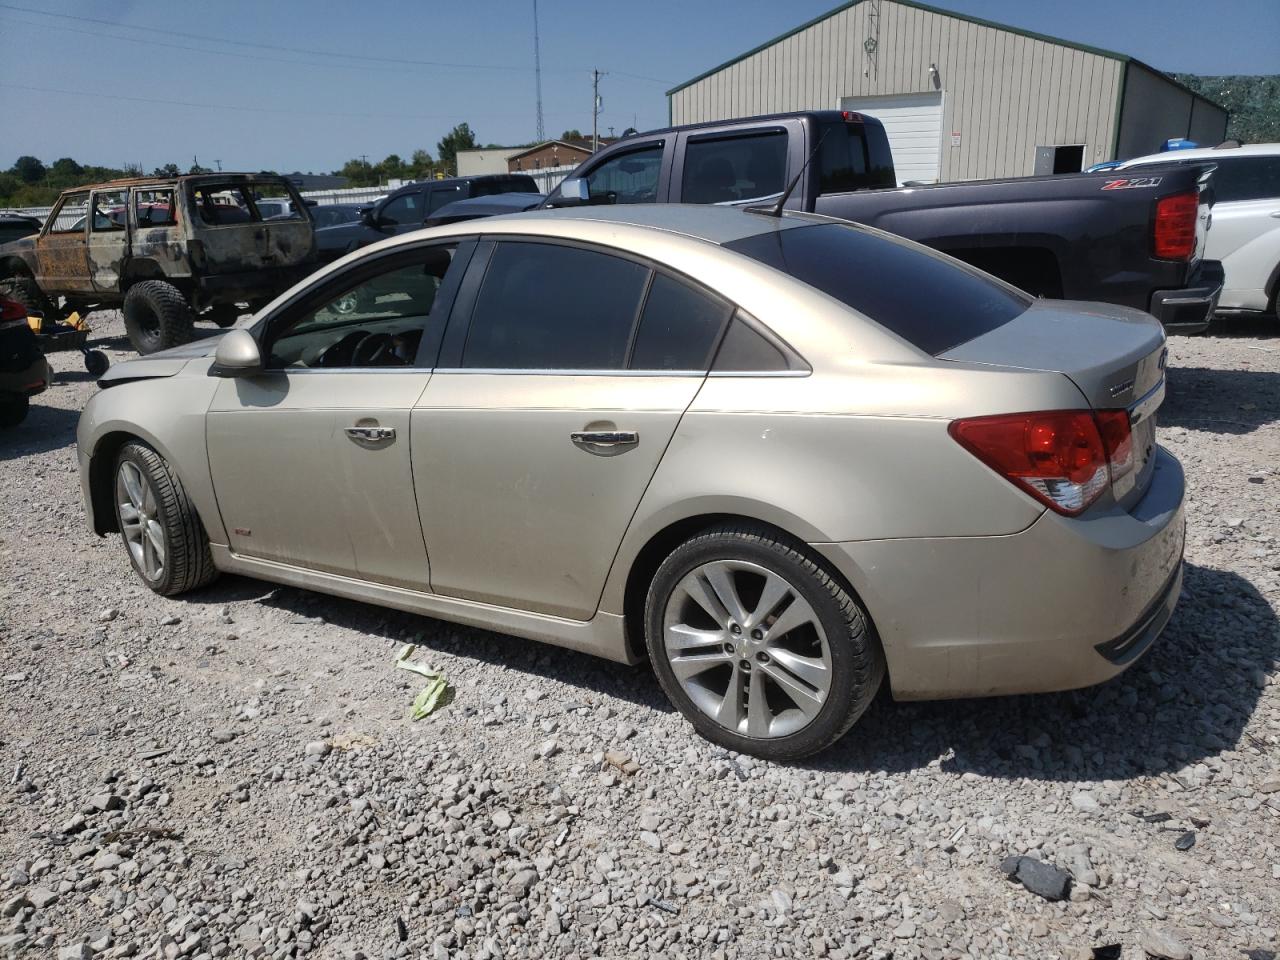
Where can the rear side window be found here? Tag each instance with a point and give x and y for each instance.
(442, 195)
(1247, 178)
(854, 156)
(678, 327)
(930, 300)
(733, 169)
(549, 307)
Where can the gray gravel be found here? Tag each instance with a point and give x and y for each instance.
(234, 774)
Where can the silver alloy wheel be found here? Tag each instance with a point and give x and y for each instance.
(747, 648)
(139, 520)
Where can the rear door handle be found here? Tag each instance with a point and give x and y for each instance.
(371, 434)
(605, 438)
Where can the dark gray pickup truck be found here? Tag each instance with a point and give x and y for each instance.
(1114, 237)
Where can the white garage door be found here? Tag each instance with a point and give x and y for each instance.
(913, 123)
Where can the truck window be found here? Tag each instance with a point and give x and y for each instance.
(930, 300)
(630, 177)
(110, 210)
(734, 169)
(401, 210)
(220, 204)
(490, 188)
(154, 208)
(854, 156)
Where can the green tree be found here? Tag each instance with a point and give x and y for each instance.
(197, 168)
(359, 172)
(64, 173)
(459, 138)
(572, 135)
(421, 166)
(168, 170)
(392, 168)
(29, 169)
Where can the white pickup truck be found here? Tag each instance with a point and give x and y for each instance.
(1245, 234)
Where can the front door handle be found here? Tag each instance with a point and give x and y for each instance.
(605, 438)
(371, 434)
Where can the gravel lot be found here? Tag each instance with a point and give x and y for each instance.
(235, 773)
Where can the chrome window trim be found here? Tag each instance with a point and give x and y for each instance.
(517, 371)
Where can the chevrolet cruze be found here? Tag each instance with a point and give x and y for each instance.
(782, 458)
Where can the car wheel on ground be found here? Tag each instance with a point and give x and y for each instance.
(162, 533)
(13, 410)
(96, 362)
(28, 293)
(761, 647)
(156, 316)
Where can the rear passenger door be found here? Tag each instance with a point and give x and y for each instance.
(554, 400)
(403, 213)
(738, 166)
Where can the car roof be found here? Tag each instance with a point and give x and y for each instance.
(1207, 153)
(714, 224)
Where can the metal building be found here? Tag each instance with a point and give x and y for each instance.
(961, 98)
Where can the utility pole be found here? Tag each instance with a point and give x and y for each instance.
(219, 164)
(595, 109)
(537, 72)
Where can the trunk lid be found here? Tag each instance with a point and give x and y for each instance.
(1114, 355)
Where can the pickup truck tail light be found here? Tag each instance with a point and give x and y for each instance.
(1173, 234)
(1063, 458)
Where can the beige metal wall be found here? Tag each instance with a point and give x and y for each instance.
(1003, 93)
(1155, 111)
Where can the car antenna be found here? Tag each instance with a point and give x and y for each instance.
(776, 209)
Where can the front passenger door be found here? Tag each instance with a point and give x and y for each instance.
(310, 457)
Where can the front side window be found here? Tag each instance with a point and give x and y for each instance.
(549, 307)
(381, 319)
(1247, 178)
(678, 327)
(630, 177)
(69, 217)
(734, 169)
(402, 210)
(930, 300)
(154, 208)
(110, 210)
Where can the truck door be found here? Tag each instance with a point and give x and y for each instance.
(109, 233)
(739, 166)
(61, 259)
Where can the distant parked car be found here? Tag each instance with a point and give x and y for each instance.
(332, 214)
(408, 208)
(16, 225)
(780, 458)
(275, 208)
(1245, 229)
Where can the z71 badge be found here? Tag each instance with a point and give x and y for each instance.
(1134, 183)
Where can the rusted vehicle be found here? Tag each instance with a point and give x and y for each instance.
(167, 251)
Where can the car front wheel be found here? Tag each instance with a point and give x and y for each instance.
(164, 537)
(759, 645)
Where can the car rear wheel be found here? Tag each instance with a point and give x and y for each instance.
(157, 316)
(759, 645)
(162, 534)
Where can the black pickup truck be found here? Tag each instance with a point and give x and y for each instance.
(1114, 237)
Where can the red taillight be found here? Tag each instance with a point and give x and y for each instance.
(850, 117)
(1173, 236)
(12, 310)
(1063, 458)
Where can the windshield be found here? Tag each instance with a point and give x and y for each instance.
(928, 299)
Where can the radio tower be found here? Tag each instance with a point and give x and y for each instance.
(537, 72)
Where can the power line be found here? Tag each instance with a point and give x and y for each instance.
(252, 109)
(306, 51)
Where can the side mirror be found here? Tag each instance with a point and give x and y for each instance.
(237, 354)
(574, 191)
(367, 218)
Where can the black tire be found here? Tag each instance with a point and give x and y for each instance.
(188, 563)
(857, 660)
(96, 362)
(13, 409)
(28, 293)
(157, 316)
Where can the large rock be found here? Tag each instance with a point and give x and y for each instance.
(1163, 944)
(1043, 879)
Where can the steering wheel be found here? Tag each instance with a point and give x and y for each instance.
(341, 353)
(375, 350)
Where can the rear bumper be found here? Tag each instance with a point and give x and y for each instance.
(1189, 309)
(29, 381)
(1066, 603)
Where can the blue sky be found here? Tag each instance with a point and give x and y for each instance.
(269, 106)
